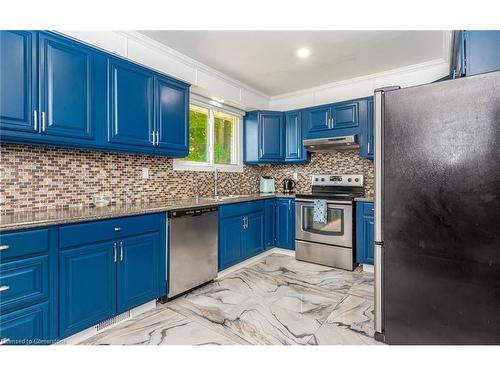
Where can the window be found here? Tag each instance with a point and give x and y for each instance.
(215, 140)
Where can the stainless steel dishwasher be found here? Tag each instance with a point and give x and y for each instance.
(193, 240)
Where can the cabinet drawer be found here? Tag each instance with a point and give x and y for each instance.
(238, 209)
(24, 282)
(17, 244)
(26, 326)
(104, 230)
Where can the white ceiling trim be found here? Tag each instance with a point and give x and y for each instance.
(210, 82)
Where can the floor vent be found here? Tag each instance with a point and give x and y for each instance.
(111, 321)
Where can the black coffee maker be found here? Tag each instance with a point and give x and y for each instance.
(288, 185)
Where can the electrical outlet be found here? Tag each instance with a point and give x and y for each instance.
(295, 175)
(145, 173)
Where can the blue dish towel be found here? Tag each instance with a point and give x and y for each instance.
(320, 207)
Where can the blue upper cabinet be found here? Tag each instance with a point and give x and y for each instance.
(345, 118)
(66, 89)
(130, 104)
(271, 136)
(480, 51)
(294, 149)
(18, 87)
(366, 133)
(172, 116)
(66, 94)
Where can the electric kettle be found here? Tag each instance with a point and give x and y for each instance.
(288, 185)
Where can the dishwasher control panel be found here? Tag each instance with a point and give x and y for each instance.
(191, 211)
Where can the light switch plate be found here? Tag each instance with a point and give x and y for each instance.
(145, 173)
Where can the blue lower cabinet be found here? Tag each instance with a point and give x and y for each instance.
(270, 223)
(285, 223)
(254, 234)
(230, 241)
(137, 270)
(27, 326)
(241, 232)
(28, 287)
(364, 232)
(101, 279)
(87, 282)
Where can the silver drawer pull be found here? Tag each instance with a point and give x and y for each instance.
(121, 251)
(117, 229)
(4, 341)
(4, 247)
(3, 288)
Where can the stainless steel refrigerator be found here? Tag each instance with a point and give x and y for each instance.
(437, 212)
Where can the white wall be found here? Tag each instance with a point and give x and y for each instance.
(211, 83)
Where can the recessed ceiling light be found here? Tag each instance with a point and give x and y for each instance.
(303, 53)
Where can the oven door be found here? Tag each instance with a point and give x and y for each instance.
(337, 230)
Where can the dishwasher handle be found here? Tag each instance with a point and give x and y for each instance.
(196, 211)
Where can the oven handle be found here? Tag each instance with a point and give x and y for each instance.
(343, 203)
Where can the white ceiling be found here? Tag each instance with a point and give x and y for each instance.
(266, 61)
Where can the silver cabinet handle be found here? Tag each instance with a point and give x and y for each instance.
(157, 137)
(35, 120)
(4, 341)
(121, 251)
(43, 121)
(114, 252)
(117, 229)
(153, 135)
(3, 288)
(4, 247)
(244, 222)
(368, 147)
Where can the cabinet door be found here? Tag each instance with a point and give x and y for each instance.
(130, 104)
(285, 223)
(172, 110)
(18, 81)
(318, 120)
(345, 115)
(270, 222)
(482, 51)
(293, 134)
(364, 233)
(271, 137)
(254, 234)
(28, 326)
(87, 287)
(367, 143)
(138, 270)
(230, 241)
(66, 88)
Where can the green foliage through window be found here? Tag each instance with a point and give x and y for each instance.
(198, 131)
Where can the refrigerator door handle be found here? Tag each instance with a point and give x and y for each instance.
(377, 155)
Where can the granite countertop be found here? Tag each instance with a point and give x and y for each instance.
(363, 199)
(32, 219)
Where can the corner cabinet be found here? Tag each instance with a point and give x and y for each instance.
(273, 137)
(480, 51)
(64, 93)
(270, 223)
(364, 232)
(285, 223)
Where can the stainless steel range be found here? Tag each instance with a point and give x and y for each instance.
(329, 242)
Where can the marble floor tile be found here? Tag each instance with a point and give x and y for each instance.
(166, 327)
(335, 335)
(364, 286)
(311, 274)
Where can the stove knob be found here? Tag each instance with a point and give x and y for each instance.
(322, 180)
(349, 179)
(356, 179)
(316, 179)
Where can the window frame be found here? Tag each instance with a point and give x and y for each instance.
(212, 107)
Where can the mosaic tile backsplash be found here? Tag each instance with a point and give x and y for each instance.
(39, 178)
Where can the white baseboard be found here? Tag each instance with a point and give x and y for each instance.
(368, 268)
(92, 331)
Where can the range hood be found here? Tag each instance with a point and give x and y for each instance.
(330, 144)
